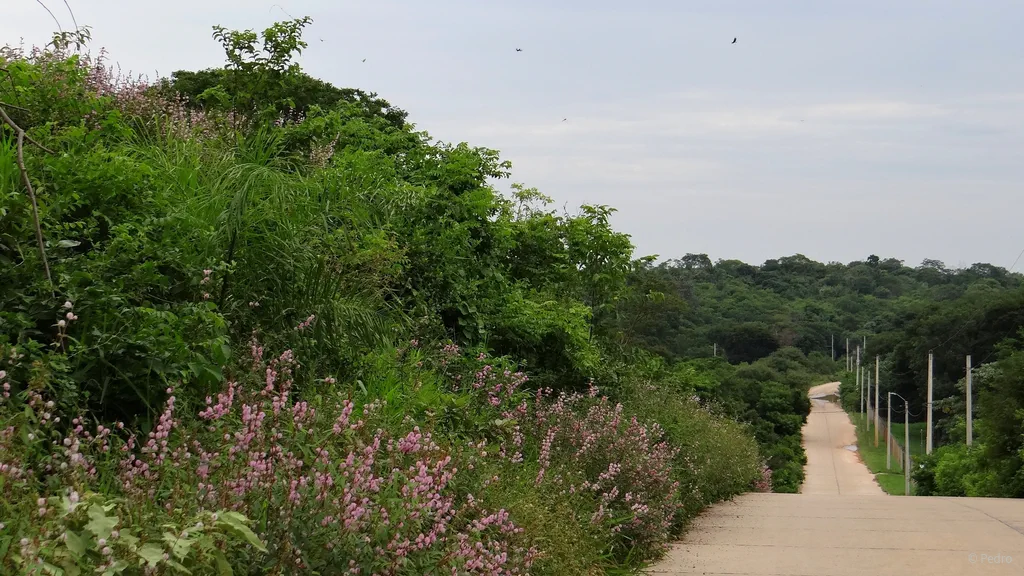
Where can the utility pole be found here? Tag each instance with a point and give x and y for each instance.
(876, 405)
(928, 441)
(859, 386)
(833, 347)
(906, 447)
(847, 354)
(868, 399)
(715, 353)
(970, 408)
(863, 383)
(906, 441)
(865, 347)
(888, 431)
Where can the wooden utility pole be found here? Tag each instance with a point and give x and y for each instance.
(868, 398)
(859, 385)
(928, 438)
(865, 405)
(877, 403)
(970, 407)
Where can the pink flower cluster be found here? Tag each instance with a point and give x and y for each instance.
(100, 89)
(63, 323)
(587, 446)
(764, 481)
(306, 323)
(207, 278)
(495, 385)
(330, 490)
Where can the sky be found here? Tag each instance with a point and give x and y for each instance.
(830, 129)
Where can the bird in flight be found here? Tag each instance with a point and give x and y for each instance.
(565, 119)
(733, 40)
(364, 59)
(519, 49)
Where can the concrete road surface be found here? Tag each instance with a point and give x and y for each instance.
(843, 524)
(832, 468)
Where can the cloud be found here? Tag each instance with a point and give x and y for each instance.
(849, 130)
(708, 117)
(876, 110)
(622, 170)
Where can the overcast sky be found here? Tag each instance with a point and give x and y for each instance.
(831, 129)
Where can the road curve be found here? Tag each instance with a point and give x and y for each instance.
(841, 524)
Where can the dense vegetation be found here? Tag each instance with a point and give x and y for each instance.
(903, 312)
(251, 322)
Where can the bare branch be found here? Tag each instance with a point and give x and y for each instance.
(31, 193)
(70, 11)
(7, 120)
(5, 104)
(51, 15)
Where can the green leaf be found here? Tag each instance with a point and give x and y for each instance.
(178, 567)
(51, 569)
(223, 566)
(117, 568)
(75, 543)
(179, 546)
(152, 553)
(236, 522)
(100, 524)
(70, 568)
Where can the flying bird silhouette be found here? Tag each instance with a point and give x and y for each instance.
(733, 40)
(519, 49)
(364, 59)
(565, 119)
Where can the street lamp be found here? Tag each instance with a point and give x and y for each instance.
(906, 439)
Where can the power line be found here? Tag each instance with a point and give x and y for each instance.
(1010, 269)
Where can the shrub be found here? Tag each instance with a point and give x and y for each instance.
(322, 486)
(717, 457)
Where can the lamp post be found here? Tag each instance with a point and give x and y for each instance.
(888, 432)
(906, 439)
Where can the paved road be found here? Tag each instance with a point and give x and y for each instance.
(832, 468)
(842, 524)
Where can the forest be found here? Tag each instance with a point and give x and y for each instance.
(903, 313)
(252, 322)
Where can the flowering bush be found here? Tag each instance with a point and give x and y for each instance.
(92, 91)
(587, 445)
(619, 468)
(324, 489)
